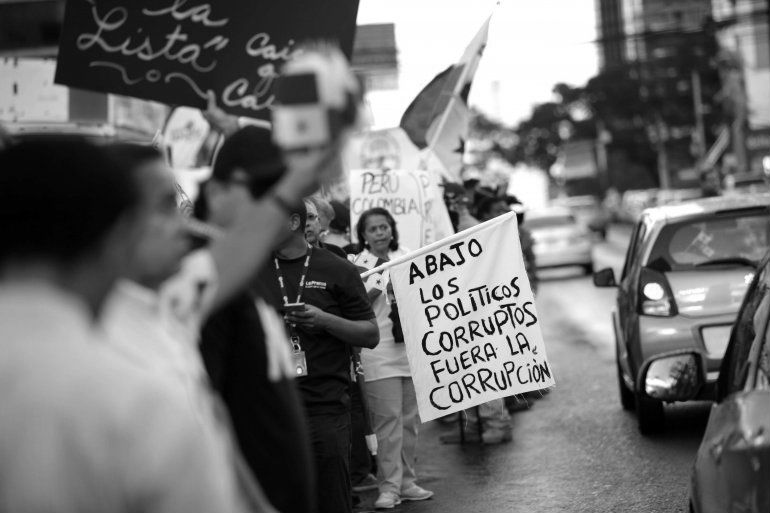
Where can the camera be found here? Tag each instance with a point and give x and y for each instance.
(317, 97)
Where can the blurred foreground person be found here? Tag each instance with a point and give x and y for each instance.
(389, 387)
(327, 313)
(81, 429)
(244, 343)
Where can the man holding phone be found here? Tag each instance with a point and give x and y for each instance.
(327, 312)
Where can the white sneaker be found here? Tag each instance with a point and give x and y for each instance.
(415, 493)
(387, 500)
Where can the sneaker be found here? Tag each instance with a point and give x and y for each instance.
(387, 500)
(415, 493)
(366, 484)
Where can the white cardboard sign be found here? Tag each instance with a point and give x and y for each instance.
(470, 325)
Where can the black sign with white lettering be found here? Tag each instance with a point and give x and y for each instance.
(175, 51)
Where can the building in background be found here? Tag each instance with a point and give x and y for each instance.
(663, 50)
(30, 28)
(29, 40)
(375, 57)
(745, 64)
(611, 31)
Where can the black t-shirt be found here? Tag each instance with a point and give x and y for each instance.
(333, 285)
(267, 415)
(333, 249)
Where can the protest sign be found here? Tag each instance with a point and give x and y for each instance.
(176, 51)
(470, 325)
(381, 149)
(384, 170)
(412, 197)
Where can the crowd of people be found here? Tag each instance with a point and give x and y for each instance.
(151, 365)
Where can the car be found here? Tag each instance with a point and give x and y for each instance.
(588, 211)
(633, 202)
(686, 271)
(732, 466)
(559, 240)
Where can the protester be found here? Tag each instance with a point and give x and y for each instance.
(244, 344)
(389, 388)
(491, 207)
(331, 314)
(339, 228)
(325, 214)
(317, 224)
(82, 429)
(457, 202)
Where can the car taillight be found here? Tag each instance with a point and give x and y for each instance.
(655, 296)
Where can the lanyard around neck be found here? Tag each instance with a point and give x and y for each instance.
(302, 278)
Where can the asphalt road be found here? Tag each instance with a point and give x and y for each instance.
(575, 450)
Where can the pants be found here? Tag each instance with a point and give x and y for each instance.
(493, 415)
(330, 440)
(360, 459)
(393, 408)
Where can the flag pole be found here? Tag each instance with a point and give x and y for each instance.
(446, 240)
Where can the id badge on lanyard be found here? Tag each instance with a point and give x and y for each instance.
(298, 355)
(300, 362)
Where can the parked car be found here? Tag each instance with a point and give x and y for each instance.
(634, 201)
(732, 467)
(559, 240)
(588, 211)
(686, 271)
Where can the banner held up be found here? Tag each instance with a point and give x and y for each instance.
(176, 51)
(470, 324)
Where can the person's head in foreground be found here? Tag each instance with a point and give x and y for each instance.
(70, 217)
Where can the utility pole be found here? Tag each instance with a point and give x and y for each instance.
(700, 130)
(662, 136)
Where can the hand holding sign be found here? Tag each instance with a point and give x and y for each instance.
(218, 119)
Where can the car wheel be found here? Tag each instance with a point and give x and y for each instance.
(649, 413)
(627, 400)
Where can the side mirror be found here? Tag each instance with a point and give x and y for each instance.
(605, 278)
(677, 376)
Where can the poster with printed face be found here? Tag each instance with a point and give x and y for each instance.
(413, 198)
(176, 51)
(470, 324)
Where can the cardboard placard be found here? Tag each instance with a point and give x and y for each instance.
(470, 324)
(175, 51)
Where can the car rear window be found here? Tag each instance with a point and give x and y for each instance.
(717, 238)
(550, 221)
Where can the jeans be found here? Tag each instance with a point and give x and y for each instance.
(330, 441)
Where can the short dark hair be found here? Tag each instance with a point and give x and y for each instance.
(250, 149)
(361, 227)
(485, 205)
(301, 211)
(341, 220)
(59, 198)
